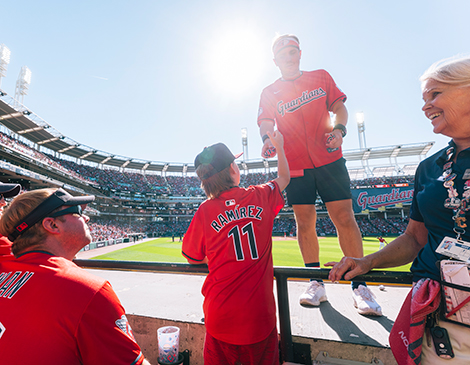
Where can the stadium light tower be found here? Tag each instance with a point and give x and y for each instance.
(4, 60)
(245, 143)
(22, 84)
(361, 129)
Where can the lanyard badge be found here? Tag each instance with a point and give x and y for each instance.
(451, 247)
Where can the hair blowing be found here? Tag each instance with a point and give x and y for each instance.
(216, 184)
(277, 38)
(452, 71)
(18, 209)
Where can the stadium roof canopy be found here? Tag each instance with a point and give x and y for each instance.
(25, 123)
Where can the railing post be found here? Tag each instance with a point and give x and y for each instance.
(287, 347)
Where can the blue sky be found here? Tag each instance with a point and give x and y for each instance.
(159, 80)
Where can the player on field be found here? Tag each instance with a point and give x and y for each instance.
(52, 311)
(382, 242)
(299, 104)
(232, 232)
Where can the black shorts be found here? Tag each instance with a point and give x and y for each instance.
(330, 181)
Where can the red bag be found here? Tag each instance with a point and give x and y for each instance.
(406, 337)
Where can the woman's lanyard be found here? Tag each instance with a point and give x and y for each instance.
(459, 206)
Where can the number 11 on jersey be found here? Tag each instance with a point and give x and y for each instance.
(247, 229)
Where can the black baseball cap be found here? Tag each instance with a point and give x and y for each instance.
(9, 190)
(218, 156)
(59, 198)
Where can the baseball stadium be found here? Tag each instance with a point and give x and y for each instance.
(143, 209)
(133, 231)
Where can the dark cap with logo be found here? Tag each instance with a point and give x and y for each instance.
(9, 190)
(217, 156)
(59, 198)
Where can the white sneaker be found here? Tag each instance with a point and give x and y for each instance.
(314, 295)
(365, 303)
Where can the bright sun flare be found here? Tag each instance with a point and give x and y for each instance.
(236, 59)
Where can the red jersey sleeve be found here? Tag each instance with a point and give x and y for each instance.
(274, 195)
(267, 106)
(334, 93)
(104, 335)
(5, 249)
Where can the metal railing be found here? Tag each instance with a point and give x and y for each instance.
(282, 274)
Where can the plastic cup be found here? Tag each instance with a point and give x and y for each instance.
(168, 344)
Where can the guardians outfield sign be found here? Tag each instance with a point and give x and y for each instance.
(375, 198)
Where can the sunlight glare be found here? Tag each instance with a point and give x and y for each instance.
(235, 60)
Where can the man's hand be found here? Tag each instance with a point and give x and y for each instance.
(334, 139)
(349, 267)
(276, 139)
(268, 150)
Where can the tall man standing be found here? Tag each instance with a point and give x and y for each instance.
(299, 105)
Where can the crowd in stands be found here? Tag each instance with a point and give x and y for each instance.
(24, 149)
(325, 227)
(176, 228)
(102, 229)
(112, 180)
(398, 224)
(284, 226)
(384, 227)
(256, 178)
(385, 180)
(107, 229)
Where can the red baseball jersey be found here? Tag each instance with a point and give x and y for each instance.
(5, 249)
(234, 232)
(53, 312)
(300, 109)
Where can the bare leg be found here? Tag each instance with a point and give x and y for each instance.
(305, 217)
(349, 235)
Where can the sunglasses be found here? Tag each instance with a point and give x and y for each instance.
(75, 209)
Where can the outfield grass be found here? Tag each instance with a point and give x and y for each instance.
(285, 251)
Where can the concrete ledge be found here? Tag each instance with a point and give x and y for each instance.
(348, 351)
(192, 339)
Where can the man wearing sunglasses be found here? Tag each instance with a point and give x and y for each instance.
(64, 314)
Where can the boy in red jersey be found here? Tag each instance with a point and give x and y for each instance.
(64, 314)
(299, 104)
(232, 232)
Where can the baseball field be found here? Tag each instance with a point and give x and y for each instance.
(285, 251)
